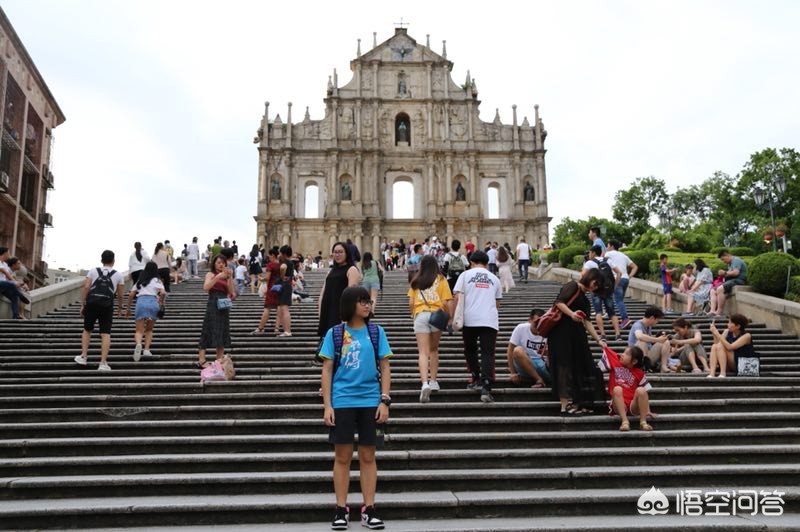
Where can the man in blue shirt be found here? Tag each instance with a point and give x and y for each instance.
(594, 237)
(736, 274)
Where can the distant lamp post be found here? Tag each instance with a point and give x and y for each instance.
(666, 218)
(770, 198)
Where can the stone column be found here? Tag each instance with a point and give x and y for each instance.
(375, 79)
(263, 178)
(430, 123)
(357, 188)
(333, 180)
(428, 73)
(447, 179)
(471, 138)
(289, 127)
(514, 186)
(431, 180)
(473, 181)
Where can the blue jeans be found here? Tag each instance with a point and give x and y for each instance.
(192, 264)
(523, 269)
(600, 302)
(11, 291)
(619, 298)
(540, 367)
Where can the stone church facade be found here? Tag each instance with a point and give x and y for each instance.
(401, 123)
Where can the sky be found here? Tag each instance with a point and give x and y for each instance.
(163, 99)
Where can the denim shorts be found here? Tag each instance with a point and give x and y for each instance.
(539, 365)
(422, 323)
(371, 286)
(608, 302)
(147, 308)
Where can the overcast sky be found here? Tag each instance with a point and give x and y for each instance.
(163, 98)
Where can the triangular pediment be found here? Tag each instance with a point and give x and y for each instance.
(402, 48)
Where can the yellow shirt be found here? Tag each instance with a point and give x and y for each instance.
(436, 296)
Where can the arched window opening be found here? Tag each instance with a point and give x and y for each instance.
(403, 199)
(493, 201)
(402, 130)
(312, 201)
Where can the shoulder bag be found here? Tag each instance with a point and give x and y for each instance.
(550, 319)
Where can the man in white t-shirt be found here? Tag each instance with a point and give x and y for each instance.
(621, 261)
(481, 291)
(100, 288)
(192, 257)
(526, 352)
(491, 253)
(523, 259)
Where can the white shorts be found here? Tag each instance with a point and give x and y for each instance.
(422, 323)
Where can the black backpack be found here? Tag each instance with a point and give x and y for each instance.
(607, 278)
(101, 294)
(455, 266)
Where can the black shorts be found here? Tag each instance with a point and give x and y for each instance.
(350, 421)
(727, 286)
(93, 313)
(285, 297)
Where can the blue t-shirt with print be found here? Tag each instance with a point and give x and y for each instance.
(638, 326)
(599, 242)
(354, 383)
(739, 264)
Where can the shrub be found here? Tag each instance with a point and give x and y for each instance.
(767, 272)
(568, 253)
(715, 251)
(794, 287)
(742, 251)
(642, 258)
(553, 256)
(673, 249)
(577, 263)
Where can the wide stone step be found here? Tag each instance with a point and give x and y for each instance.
(316, 508)
(540, 457)
(403, 441)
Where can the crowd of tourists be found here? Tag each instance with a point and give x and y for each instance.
(451, 288)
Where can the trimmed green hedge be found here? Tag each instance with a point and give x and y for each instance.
(568, 253)
(655, 270)
(553, 256)
(642, 258)
(767, 273)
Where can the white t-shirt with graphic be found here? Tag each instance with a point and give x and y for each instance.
(523, 337)
(480, 288)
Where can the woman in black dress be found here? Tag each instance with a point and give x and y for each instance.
(216, 322)
(571, 359)
(344, 273)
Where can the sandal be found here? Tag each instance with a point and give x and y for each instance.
(257, 332)
(625, 426)
(644, 425)
(539, 384)
(572, 410)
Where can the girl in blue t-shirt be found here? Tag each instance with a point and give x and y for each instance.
(355, 391)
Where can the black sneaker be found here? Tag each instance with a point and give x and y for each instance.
(341, 518)
(474, 386)
(370, 519)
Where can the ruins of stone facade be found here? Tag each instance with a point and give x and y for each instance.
(400, 119)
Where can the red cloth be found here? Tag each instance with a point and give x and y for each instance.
(626, 378)
(271, 298)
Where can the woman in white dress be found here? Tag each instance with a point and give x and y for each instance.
(504, 264)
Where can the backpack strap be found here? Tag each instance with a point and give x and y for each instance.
(374, 336)
(338, 343)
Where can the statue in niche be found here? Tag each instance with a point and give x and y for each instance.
(401, 87)
(402, 132)
(461, 193)
(528, 191)
(276, 189)
(347, 192)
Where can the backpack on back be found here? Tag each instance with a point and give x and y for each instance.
(455, 266)
(607, 280)
(101, 293)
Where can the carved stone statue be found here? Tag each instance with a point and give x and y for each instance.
(276, 189)
(461, 193)
(528, 191)
(347, 192)
(401, 87)
(402, 132)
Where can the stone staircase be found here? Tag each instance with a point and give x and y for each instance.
(148, 445)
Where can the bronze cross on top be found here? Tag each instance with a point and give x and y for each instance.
(401, 23)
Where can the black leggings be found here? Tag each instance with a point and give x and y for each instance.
(163, 274)
(482, 372)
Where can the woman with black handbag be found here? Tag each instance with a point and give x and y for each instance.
(430, 302)
(571, 363)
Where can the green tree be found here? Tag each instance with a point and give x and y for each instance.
(570, 231)
(634, 206)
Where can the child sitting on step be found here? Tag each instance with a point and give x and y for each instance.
(355, 391)
(628, 386)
